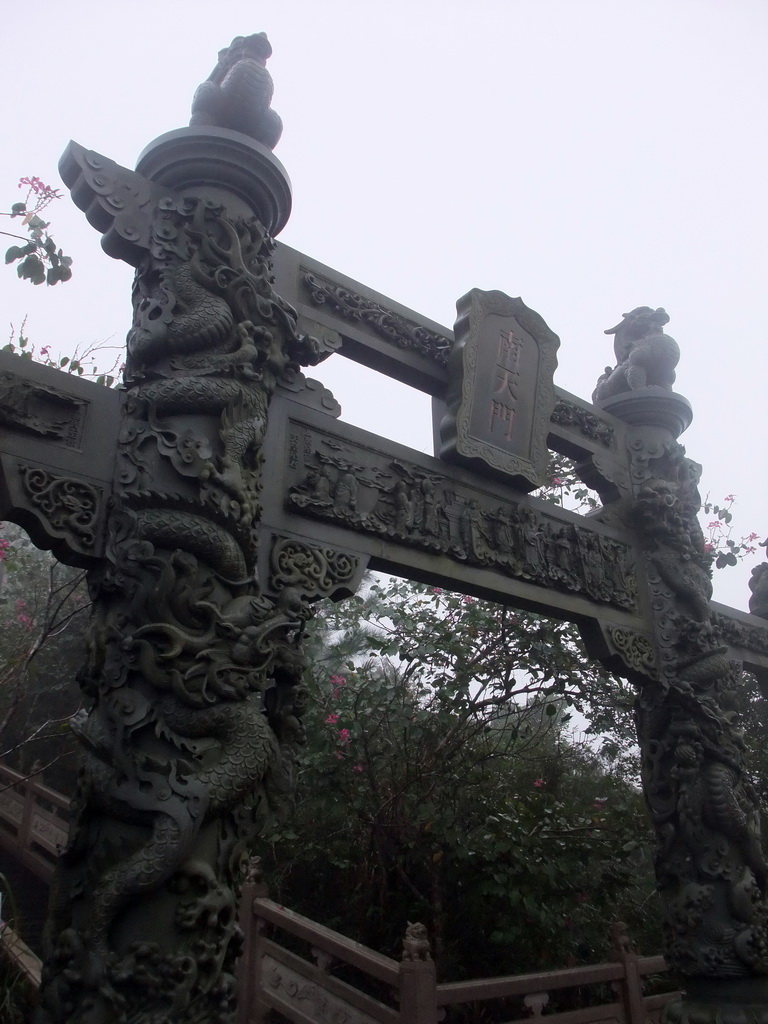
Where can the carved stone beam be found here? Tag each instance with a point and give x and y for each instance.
(378, 332)
(58, 435)
(371, 500)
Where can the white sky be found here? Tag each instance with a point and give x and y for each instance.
(588, 155)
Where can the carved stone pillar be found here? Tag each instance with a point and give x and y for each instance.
(710, 868)
(194, 674)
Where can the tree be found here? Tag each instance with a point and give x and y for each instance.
(440, 784)
(44, 612)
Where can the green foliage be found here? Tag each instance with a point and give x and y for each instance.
(440, 784)
(84, 363)
(39, 259)
(720, 543)
(43, 614)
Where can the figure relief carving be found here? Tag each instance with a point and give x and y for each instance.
(401, 501)
(40, 411)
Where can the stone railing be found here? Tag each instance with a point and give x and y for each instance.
(303, 989)
(34, 821)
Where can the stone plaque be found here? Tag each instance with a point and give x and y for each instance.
(501, 391)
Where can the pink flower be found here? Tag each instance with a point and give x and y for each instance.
(339, 756)
(437, 590)
(36, 185)
(45, 350)
(557, 481)
(467, 599)
(715, 525)
(331, 719)
(753, 536)
(730, 497)
(538, 783)
(337, 682)
(709, 547)
(345, 736)
(358, 768)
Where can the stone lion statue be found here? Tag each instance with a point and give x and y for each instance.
(645, 355)
(238, 92)
(416, 942)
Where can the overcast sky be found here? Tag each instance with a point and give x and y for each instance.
(588, 155)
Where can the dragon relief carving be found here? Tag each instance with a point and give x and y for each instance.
(194, 674)
(709, 863)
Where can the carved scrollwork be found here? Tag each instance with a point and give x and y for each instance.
(309, 998)
(314, 571)
(566, 414)
(385, 322)
(69, 507)
(742, 634)
(636, 650)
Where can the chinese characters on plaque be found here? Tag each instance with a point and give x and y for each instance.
(501, 392)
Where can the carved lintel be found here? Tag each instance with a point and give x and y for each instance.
(429, 508)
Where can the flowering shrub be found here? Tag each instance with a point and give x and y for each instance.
(718, 534)
(439, 785)
(39, 260)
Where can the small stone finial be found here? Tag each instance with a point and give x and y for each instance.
(645, 355)
(238, 92)
(620, 940)
(758, 584)
(416, 942)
